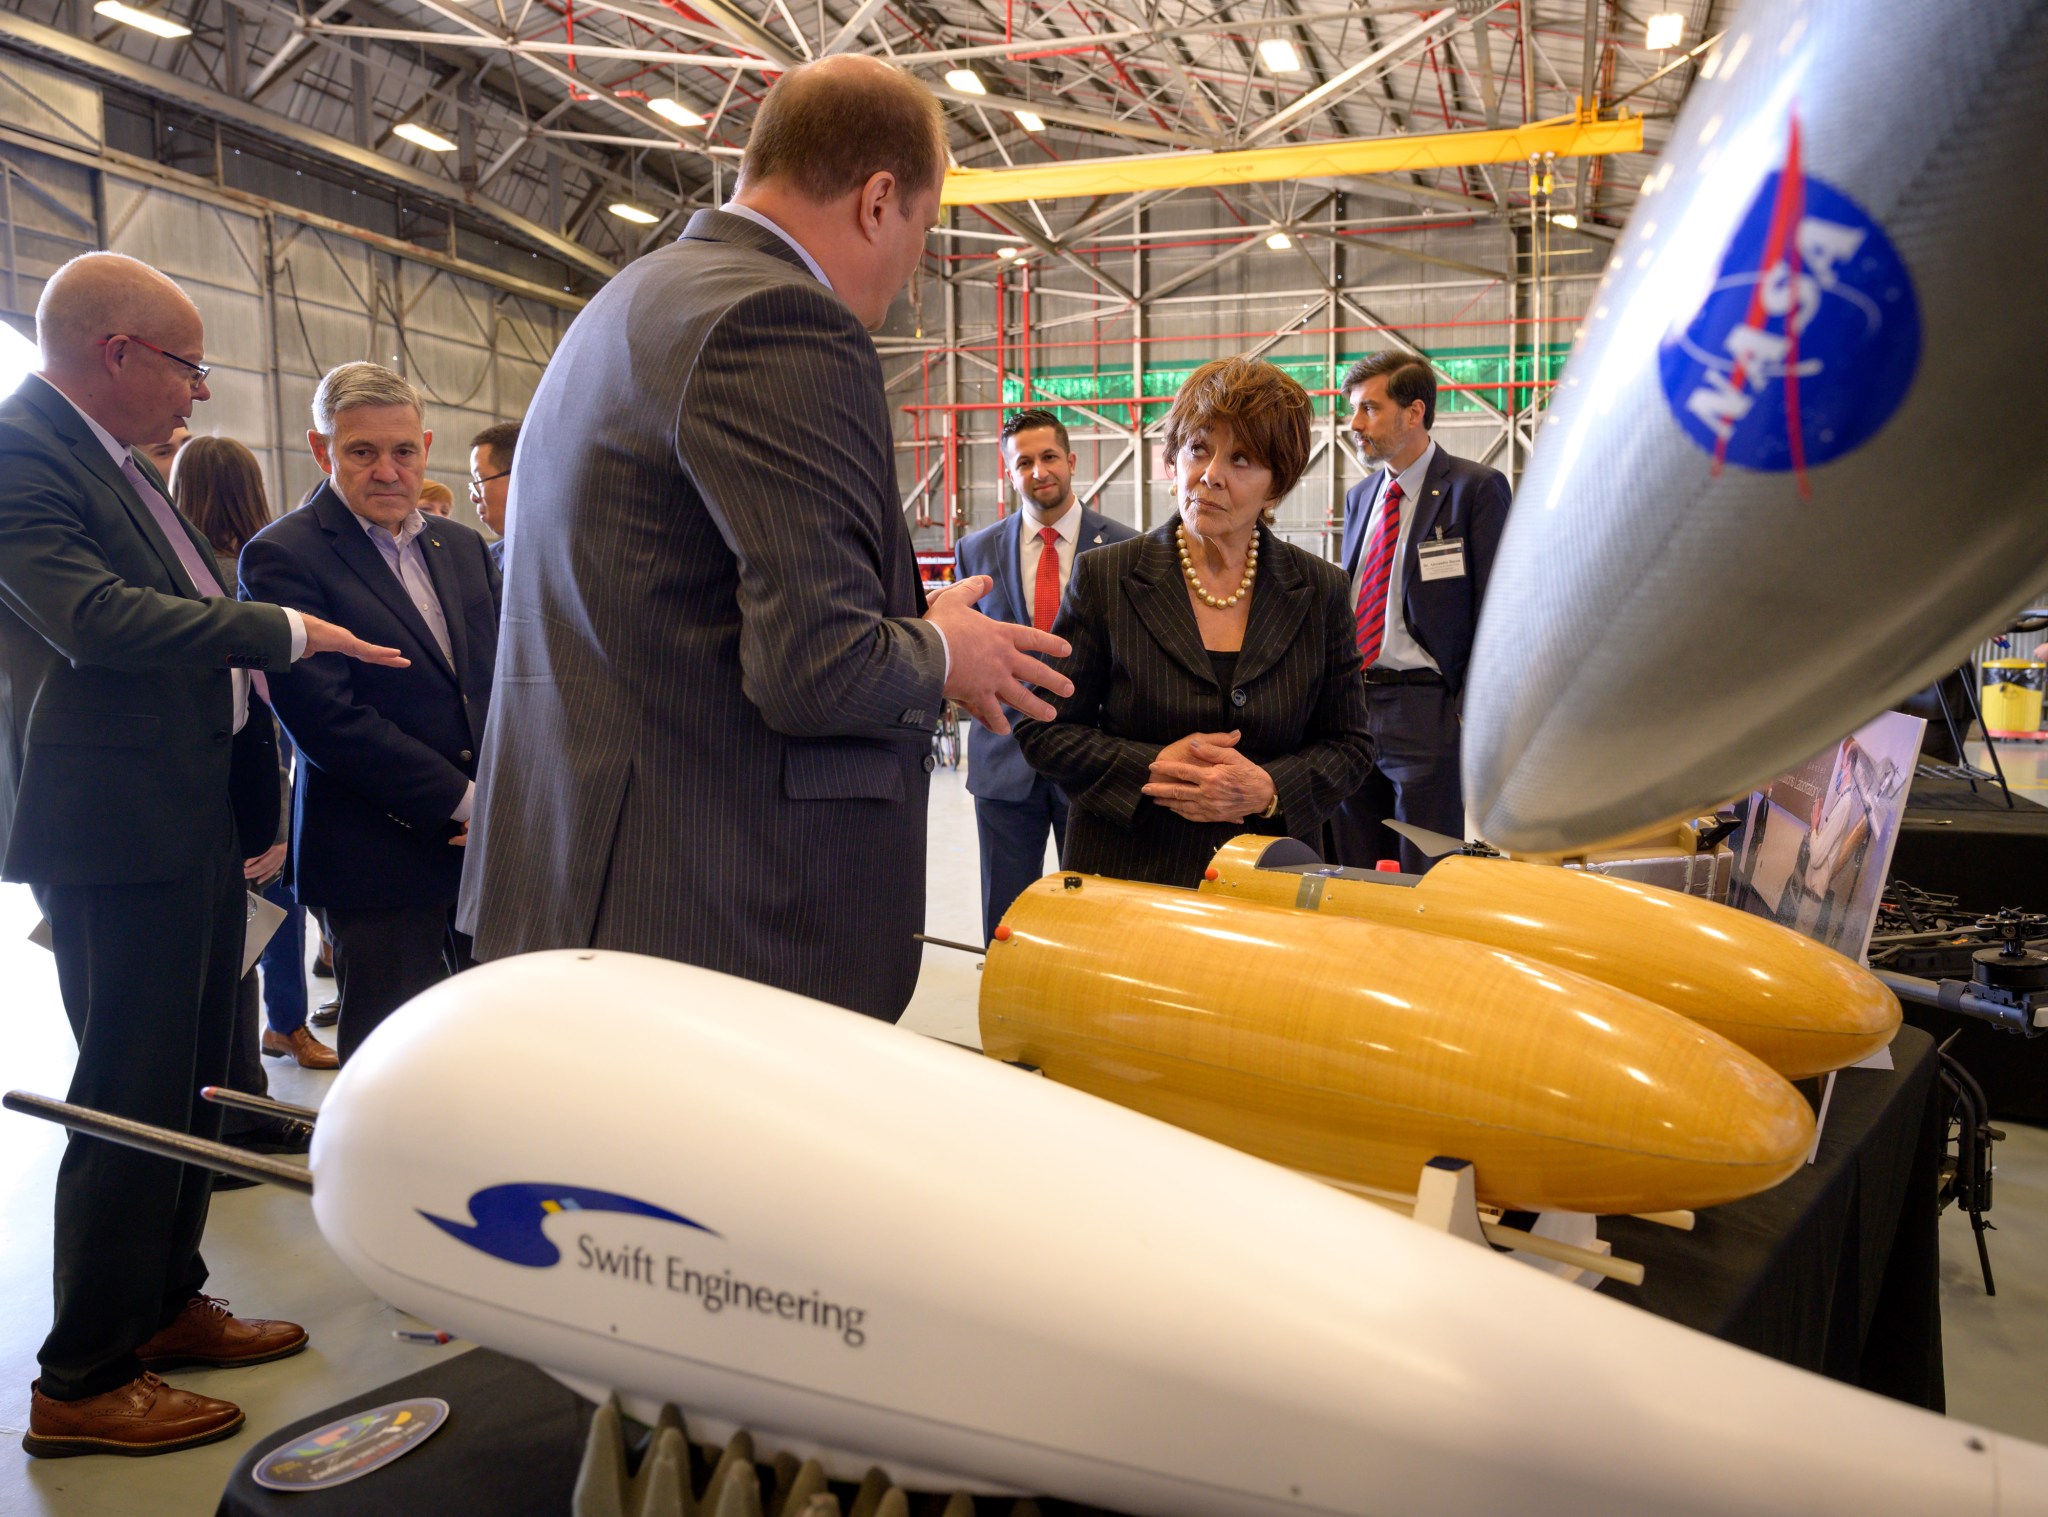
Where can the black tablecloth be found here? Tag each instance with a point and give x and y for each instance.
(512, 1444)
(1835, 1270)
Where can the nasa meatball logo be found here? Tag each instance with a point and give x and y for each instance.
(1808, 340)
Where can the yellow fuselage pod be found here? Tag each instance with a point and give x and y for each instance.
(1800, 1007)
(1358, 1052)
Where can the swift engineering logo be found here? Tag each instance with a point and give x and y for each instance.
(508, 1225)
(1808, 341)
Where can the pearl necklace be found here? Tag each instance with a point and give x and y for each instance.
(1187, 567)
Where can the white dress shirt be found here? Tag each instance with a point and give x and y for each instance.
(407, 561)
(732, 208)
(1399, 650)
(123, 461)
(1031, 548)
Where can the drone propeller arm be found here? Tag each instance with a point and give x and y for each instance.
(163, 1141)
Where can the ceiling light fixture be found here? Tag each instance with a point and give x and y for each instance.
(148, 21)
(676, 111)
(421, 136)
(1031, 121)
(1279, 242)
(966, 81)
(1006, 254)
(1664, 32)
(625, 210)
(1566, 220)
(1280, 56)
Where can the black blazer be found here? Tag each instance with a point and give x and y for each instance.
(116, 705)
(1143, 680)
(1460, 499)
(996, 769)
(386, 753)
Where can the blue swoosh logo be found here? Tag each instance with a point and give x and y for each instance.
(509, 1217)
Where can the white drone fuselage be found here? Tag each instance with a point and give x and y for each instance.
(859, 1242)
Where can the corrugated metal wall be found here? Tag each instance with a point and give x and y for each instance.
(283, 301)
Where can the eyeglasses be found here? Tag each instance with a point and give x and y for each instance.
(477, 482)
(199, 370)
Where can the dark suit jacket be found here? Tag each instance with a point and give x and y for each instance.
(996, 769)
(1460, 499)
(712, 728)
(386, 753)
(1143, 680)
(116, 704)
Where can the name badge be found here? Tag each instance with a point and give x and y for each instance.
(1442, 558)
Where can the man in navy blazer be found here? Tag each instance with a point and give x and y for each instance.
(381, 812)
(1014, 807)
(1420, 534)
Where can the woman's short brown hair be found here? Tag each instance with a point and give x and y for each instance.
(218, 484)
(1266, 411)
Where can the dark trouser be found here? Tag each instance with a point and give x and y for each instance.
(1414, 778)
(148, 976)
(1013, 837)
(245, 1059)
(284, 963)
(385, 957)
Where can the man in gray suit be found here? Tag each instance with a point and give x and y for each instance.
(1030, 556)
(710, 728)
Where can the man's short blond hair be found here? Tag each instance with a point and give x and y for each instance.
(353, 385)
(830, 126)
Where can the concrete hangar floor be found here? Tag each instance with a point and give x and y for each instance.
(269, 1260)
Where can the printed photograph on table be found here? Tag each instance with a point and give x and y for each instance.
(1818, 843)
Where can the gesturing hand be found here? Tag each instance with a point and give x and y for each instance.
(991, 662)
(326, 637)
(1203, 778)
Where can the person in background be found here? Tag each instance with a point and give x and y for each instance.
(164, 454)
(436, 499)
(387, 765)
(1420, 534)
(1030, 556)
(490, 480)
(1216, 679)
(218, 484)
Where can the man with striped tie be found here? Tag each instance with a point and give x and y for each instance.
(1420, 533)
(1030, 556)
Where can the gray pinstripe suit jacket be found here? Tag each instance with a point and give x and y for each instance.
(710, 727)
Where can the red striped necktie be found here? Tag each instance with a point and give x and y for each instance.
(1045, 599)
(1372, 579)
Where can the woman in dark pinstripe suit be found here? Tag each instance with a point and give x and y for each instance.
(1215, 667)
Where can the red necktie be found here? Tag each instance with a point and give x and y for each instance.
(1045, 596)
(1372, 580)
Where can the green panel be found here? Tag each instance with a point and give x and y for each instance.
(1476, 366)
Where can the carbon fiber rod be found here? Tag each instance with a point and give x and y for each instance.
(263, 1106)
(162, 1141)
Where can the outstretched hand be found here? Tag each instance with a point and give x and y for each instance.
(326, 637)
(991, 662)
(1203, 778)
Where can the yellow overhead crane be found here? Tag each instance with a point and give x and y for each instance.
(1562, 137)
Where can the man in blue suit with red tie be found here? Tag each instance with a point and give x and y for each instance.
(1420, 534)
(1030, 556)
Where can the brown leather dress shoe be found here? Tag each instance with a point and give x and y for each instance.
(145, 1416)
(205, 1333)
(300, 1044)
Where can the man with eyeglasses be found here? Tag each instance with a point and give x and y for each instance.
(135, 760)
(490, 480)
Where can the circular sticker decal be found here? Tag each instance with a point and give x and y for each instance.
(351, 1447)
(1807, 342)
